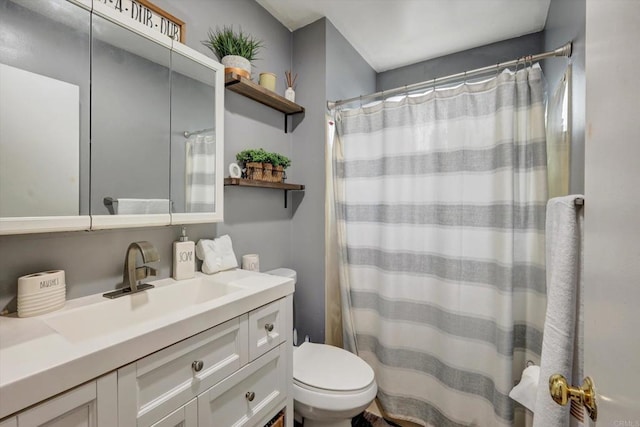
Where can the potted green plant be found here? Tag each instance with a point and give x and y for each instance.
(280, 163)
(235, 49)
(253, 161)
(261, 165)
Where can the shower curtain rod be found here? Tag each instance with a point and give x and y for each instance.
(561, 51)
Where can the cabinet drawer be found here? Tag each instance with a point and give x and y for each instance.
(162, 382)
(249, 395)
(267, 328)
(185, 416)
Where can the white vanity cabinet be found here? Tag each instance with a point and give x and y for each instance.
(90, 405)
(185, 416)
(211, 374)
(206, 351)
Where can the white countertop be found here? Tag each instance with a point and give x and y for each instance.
(37, 362)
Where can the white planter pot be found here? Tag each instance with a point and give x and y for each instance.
(237, 64)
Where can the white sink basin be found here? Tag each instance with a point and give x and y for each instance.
(110, 315)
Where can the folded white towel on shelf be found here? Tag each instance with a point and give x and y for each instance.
(525, 391)
(143, 206)
(216, 255)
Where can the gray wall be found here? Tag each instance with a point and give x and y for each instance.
(254, 218)
(307, 226)
(566, 21)
(328, 67)
(348, 74)
(462, 61)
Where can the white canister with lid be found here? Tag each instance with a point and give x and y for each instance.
(41, 293)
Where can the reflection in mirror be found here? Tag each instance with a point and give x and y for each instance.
(39, 169)
(130, 119)
(44, 108)
(192, 154)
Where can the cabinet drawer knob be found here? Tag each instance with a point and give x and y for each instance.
(269, 327)
(197, 365)
(250, 396)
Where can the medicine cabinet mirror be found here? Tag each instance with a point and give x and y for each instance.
(44, 116)
(197, 115)
(113, 154)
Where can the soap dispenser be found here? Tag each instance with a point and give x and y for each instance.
(184, 263)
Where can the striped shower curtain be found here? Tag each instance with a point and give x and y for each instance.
(200, 176)
(440, 210)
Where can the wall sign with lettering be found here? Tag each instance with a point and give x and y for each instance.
(150, 15)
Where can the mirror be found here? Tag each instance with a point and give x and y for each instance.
(197, 137)
(130, 122)
(44, 114)
(193, 135)
(93, 97)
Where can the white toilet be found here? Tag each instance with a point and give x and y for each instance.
(330, 385)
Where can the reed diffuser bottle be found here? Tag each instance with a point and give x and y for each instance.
(290, 94)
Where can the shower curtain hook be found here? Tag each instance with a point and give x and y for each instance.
(434, 85)
(406, 91)
(360, 101)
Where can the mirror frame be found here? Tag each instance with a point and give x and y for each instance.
(217, 216)
(44, 224)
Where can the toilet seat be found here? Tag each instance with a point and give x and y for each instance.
(321, 367)
(335, 402)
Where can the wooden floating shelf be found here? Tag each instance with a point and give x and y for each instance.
(246, 87)
(263, 184)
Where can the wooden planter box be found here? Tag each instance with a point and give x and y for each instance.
(265, 172)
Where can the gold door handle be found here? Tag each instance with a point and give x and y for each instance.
(584, 395)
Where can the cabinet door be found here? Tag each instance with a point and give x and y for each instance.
(44, 116)
(247, 396)
(185, 416)
(130, 123)
(267, 328)
(197, 146)
(90, 405)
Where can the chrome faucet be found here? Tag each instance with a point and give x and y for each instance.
(131, 274)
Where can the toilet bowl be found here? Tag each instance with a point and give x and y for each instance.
(330, 385)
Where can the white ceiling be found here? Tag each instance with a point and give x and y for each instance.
(393, 33)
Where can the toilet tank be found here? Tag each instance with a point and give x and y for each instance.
(284, 272)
